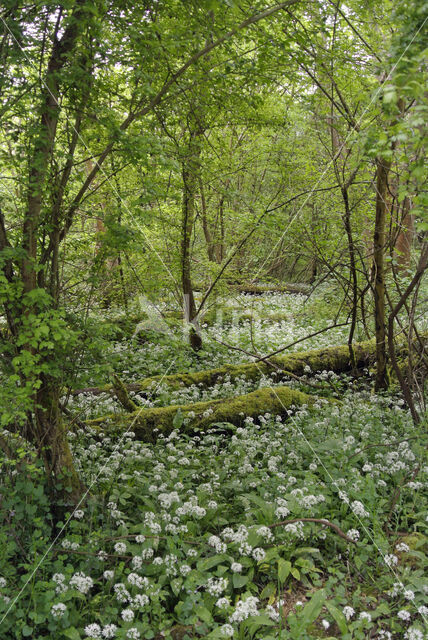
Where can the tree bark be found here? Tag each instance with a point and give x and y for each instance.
(190, 175)
(382, 171)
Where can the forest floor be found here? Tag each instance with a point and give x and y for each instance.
(311, 523)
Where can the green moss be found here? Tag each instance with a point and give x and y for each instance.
(276, 401)
(329, 358)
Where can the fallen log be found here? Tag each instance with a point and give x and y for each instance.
(200, 415)
(327, 359)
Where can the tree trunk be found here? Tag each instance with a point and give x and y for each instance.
(382, 170)
(190, 170)
(44, 428)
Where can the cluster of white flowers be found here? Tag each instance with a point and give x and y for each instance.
(216, 586)
(93, 630)
(354, 534)
(244, 609)
(282, 509)
(58, 610)
(390, 560)
(222, 603)
(272, 613)
(414, 634)
(348, 612)
(138, 581)
(122, 594)
(127, 615)
(109, 631)
(359, 510)
(191, 508)
(140, 601)
(120, 547)
(404, 615)
(168, 499)
(81, 582)
(150, 522)
(69, 544)
(219, 546)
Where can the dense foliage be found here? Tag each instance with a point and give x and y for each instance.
(213, 208)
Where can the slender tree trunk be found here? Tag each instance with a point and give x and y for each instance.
(190, 170)
(382, 170)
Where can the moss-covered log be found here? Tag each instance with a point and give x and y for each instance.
(329, 358)
(201, 415)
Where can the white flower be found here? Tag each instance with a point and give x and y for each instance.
(120, 547)
(364, 615)
(358, 508)
(266, 533)
(423, 610)
(140, 539)
(272, 613)
(222, 603)
(390, 560)
(122, 594)
(146, 554)
(403, 615)
(81, 582)
(137, 562)
(185, 569)
(3, 582)
(244, 609)
(127, 615)
(354, 534)
(93, 630)
(58, 610)
(325, 624)
(140, 601)
(133, 633)
(79, 514)
(414, 634)
(348, 612)
(236, 567)
(109, 631)
(226, 631)
(408, 594)
(57, 577)
(108, 574)
(402, 546)
(258, 554)
(216, 586)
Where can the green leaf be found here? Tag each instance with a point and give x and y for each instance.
(295, 573)
(268, 591)
(203, 613)
(71, 633)
(178, 419)
(313, 608)
(239, 581)
(176, 585)
(284, 568)
(338, 617)
(27, 631)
